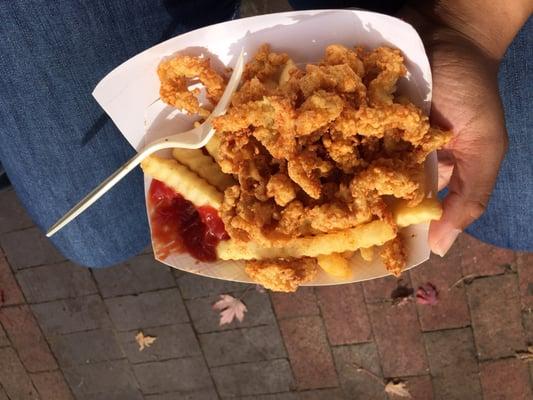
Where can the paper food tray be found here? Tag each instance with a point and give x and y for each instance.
(129, 94)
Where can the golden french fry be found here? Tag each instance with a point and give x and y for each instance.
(367, 235)
(335, 264)
(182, 180)
(427, 210)
(367, 253)
(212, 147)
(286, 71)
(204, 166)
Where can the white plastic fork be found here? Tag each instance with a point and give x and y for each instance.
(193, 139)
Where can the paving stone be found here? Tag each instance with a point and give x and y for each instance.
(55, 282)
(29, 247)
(525, 279)
(453, 365)
(201, 394)
(399, 340)
(173, 341)
(344, 314)
(275, 396)
(298, 304)
(85, 347)
(309, 352)
(177, 375)
(356, 383)
(480, 259)
(193, 286)
(205, 319)
(419, 387)
(104, 380)
(13, 378)
(321, 394)
(13, 216)
(163, 307)
(379, 290)
(71, 315)
(505, 379)
(253, 378)
(496, 319)
(10, 292)
(52, 385)
(451, 311)
(139, 274)
(27, 339)
(4, 341)
(242, 345)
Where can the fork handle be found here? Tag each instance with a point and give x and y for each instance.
(101, 189)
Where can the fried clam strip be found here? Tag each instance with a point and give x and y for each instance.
(265, 64)
(336, 54)
(394, 177)
(284, 275)
(405, 120)
(338, 78)
(174, 74)
(306, 169)
(318, 110)
(393, 256)
(387, 66)
(435, 139)
(343, 150)
(373, 233)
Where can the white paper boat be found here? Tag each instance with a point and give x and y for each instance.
(130, 92)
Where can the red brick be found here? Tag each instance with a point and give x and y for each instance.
(378, 290)
(419, 387)
(344, 313)
(481, 259)
(27, 338)
(309, 352)
(505, 379)
(298, 304)
(496, 317)
(4, 341)
(13, 377)
(453, 364)
(52, 385)
(525, 279)
(9, 288)
(398, 338)
(451, 311)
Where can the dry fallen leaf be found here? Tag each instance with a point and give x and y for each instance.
(525, 355)
(144, 341)
(229, 308)
(397, 389)
(427, 294)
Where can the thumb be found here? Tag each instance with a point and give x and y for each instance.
(473, 178)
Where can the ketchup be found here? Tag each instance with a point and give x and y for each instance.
(178, 226)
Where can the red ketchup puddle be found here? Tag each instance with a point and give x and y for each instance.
(178, 226)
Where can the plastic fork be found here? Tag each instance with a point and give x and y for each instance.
(193, 139)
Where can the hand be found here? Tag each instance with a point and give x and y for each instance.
(465, 100)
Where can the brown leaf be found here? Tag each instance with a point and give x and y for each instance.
(398, 389)
(144, 341)
(525, 355)
(230, 308)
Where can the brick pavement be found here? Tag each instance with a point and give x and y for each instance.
(69, 333)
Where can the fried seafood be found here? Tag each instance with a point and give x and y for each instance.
(326, 160)
(175, 75)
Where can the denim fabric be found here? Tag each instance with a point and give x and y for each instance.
(56, 144)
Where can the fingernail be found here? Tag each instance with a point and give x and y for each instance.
(444, 244)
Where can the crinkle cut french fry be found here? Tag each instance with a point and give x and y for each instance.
(204, 166)
(334, 264)
(370, 234)
(213, 146)
(182, 180)
(427, 210)
(367, 253)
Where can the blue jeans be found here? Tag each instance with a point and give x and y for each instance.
(56, 143)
